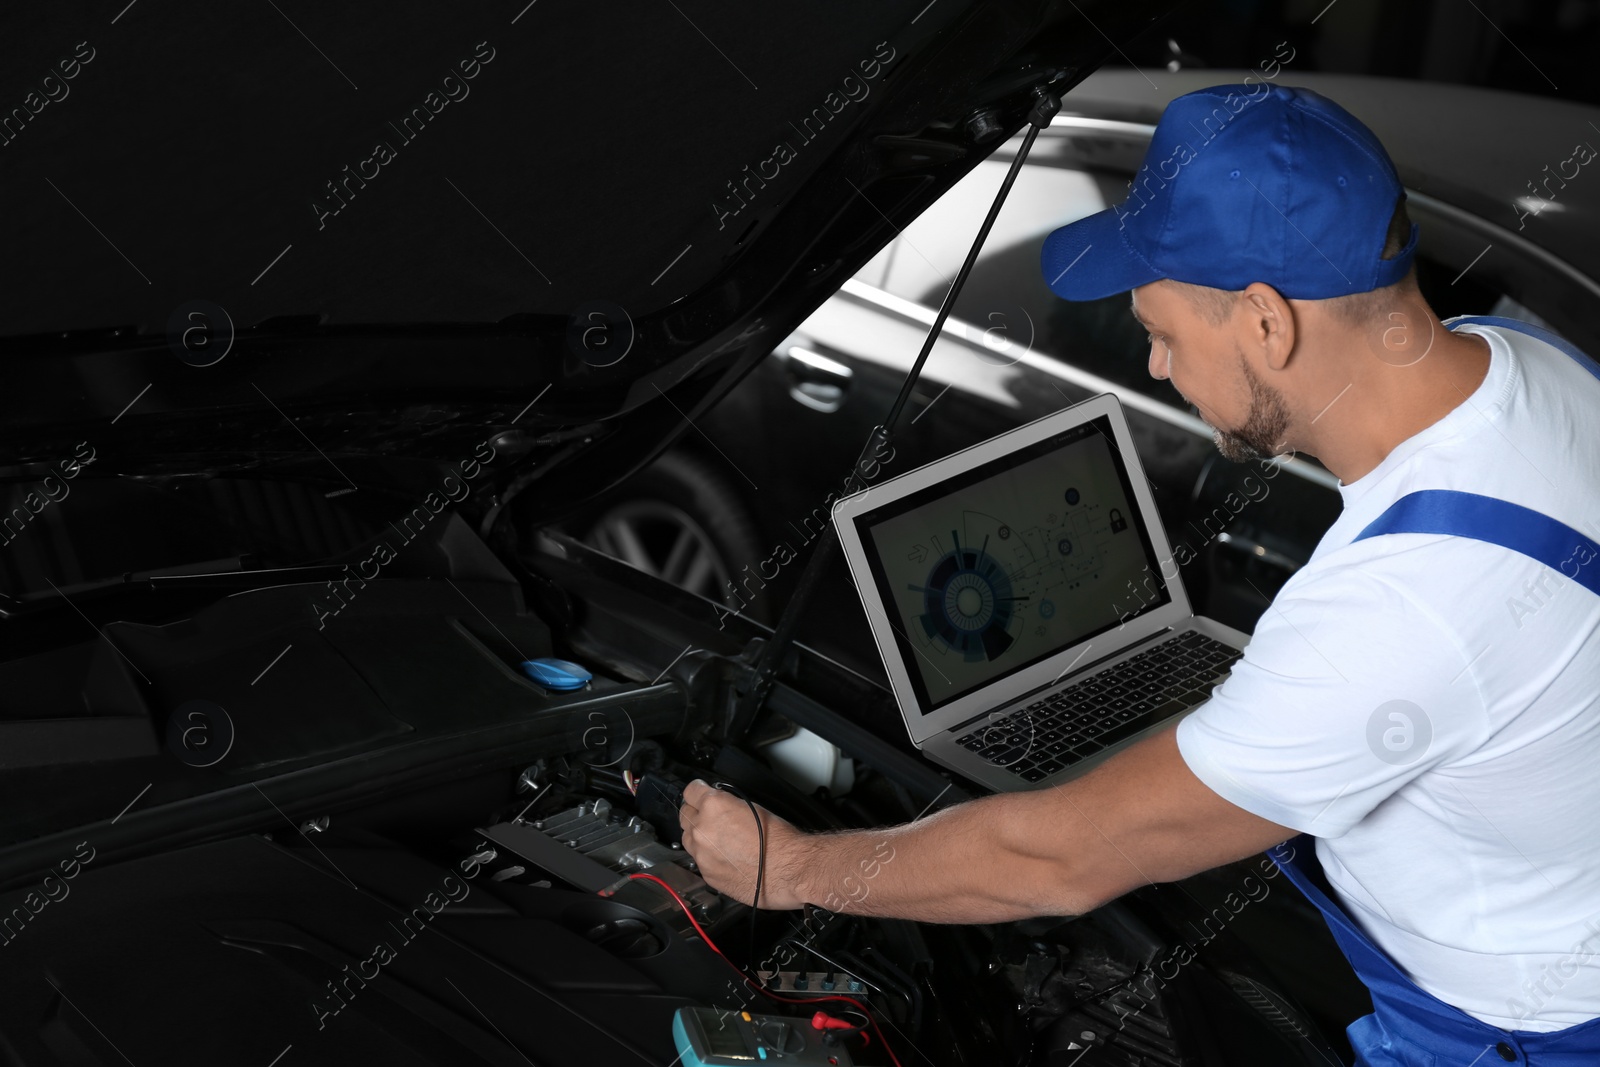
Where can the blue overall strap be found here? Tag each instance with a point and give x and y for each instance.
(1500, 522)
(1410, 1027)
(1553, 339)
(1534, 534)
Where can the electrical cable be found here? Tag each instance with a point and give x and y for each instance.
(761, 861)
(763, 990)
(841, 1026)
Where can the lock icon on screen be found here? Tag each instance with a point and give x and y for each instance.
(1118, 523)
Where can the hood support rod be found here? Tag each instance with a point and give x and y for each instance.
(765, 669)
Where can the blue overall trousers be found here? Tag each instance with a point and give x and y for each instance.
(1409, 1027)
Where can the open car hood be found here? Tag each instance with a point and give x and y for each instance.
(313, 240)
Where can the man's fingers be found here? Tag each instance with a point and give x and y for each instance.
(689, 807)
(694, 792)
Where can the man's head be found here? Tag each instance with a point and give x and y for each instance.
(1199, 337)
(1265, 223)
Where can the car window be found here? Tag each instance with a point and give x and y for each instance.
(1005, 294)
(1512, 310)
(931, 249)
(1468, 266)
(1072, 173)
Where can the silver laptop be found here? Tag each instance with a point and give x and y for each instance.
(1026, 603)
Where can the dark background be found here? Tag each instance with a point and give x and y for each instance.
(1543, 47)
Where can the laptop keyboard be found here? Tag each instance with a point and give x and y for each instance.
(1071, 724)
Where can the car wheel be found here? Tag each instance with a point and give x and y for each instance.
(680, 520)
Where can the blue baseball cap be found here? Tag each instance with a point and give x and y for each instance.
(1264, 183)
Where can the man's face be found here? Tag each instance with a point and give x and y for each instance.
(1205, 363)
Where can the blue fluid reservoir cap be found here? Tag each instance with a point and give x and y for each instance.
(556, 673)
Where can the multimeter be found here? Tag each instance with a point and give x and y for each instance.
(709, 1037)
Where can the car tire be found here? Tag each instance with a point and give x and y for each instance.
(679, 519)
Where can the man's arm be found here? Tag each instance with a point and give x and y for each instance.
(1140, 817)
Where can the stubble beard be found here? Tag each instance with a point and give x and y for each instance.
(1264, 427)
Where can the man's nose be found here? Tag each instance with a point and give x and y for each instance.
(1158, 360)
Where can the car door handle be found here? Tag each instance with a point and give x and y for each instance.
(815, 380)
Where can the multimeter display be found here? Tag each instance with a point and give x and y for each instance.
(727, 1041)
(708, 1037)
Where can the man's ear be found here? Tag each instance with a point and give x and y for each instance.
(1269, 324)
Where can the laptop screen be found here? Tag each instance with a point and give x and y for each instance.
(1012, 561)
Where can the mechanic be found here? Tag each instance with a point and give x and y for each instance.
(1420, 698)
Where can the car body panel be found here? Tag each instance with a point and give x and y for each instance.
(398, 316)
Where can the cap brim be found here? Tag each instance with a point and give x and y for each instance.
(1090, 259)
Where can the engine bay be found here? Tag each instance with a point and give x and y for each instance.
(397, 935)
(410, 852)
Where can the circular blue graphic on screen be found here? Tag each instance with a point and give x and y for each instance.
(967, 603)
(1072, 496)
(1047, 609)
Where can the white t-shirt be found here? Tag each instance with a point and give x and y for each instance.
(1428, 707)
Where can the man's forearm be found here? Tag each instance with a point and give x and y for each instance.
(1140, 817)
(970, 863)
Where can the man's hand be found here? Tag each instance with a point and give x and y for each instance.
(719, 832)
